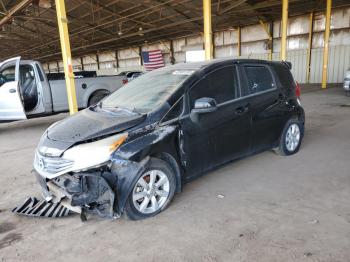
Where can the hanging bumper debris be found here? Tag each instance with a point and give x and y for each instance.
(35, 208)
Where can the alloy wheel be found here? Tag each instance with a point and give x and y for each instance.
(292, 137)
(151, 192)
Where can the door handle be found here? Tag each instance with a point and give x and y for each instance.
(12, 90)
(241, 110)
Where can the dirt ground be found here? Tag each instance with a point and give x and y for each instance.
(270, 208)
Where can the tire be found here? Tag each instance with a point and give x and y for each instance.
(347, 93)
(142, 198)
(291, 138)
(97, 97)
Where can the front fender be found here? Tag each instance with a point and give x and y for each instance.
(132, 159)
(161, 138)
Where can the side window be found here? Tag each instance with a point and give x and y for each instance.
(284, 75)
(7, 75)
(175, 111)
(220, 84)
(26, 73)
(41, 77)
(259, 79)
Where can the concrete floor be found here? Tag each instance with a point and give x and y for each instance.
(274, 208)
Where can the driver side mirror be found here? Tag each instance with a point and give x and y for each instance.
(204, 105)
(201, 106)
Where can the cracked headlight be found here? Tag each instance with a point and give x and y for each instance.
(95, 153)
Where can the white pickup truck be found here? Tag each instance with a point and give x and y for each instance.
(25, 91)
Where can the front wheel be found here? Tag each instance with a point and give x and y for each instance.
(152, 192)
(291, 138)
(97, 97)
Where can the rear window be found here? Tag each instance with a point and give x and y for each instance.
(284, 75)
(259, 79)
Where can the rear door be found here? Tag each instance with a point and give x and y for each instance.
(221, 135)
(267, 105)
(11, 107)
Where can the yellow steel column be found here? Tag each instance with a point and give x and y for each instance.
(66, 55)
(268, 29)
(239, 41)
(311, 29)
(326, 44)
(284, 29)
(208, 34)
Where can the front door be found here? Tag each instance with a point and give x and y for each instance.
(223, 134)
(11, 107)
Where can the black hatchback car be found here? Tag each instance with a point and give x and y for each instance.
(135, 149)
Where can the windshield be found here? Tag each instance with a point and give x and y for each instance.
(148, 91)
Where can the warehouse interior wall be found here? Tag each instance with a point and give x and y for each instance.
(254, 44)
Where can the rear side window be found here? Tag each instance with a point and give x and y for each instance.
(220, 84)
(284, 75)
(259, 79)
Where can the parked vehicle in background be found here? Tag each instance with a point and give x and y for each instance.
(79, 74)
(129, 75)
(134, 75)
(136, 148)
(347, 82)
(26, 91)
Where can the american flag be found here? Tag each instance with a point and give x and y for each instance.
(153, 59)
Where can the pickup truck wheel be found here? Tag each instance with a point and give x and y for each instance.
(152, 192)
(97, 97)
(291, 138)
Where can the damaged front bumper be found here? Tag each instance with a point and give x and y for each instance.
(101, 191)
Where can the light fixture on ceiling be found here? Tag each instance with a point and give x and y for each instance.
(141, 31)
(44, 4)
(120, 32)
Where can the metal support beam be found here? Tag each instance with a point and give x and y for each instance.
(268, 28)
(208, 33)
(140, 54)
(284, 29)
(82, 63)
(271, 41)
(17, 8)
(66, 55)
(311, 29)
(98, 61)
(172, 56)
(116, 59)
(239, 40)
(3, 6)
(326, 43)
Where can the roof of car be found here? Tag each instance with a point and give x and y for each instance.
(214, 62)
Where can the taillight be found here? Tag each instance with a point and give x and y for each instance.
(125, 81)
(297, 90)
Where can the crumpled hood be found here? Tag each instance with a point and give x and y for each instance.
(89, 124)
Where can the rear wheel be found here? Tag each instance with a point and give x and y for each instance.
(97, 97)
(291, 138)
(152, 192)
